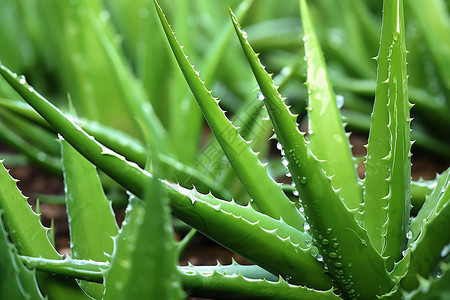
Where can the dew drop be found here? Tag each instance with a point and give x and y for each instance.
(284, 161)
(338, 264)
(306, 226)
(22, 79)
(445, 251)
(288, 174)
(443, 189)
(409, 235)
(332, 255)
(303, 180)
(260, 96)
(340, 101)
(310, 131)
(104, 15)
(31, 89)
(279, 147)
(301, 209)
(295, 193)
(329, 230)
(319, 257)
(349, 265)
(325, 242)
(41, 156)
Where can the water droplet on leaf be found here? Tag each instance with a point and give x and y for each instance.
(260, 96)
(409, 235)
(340, 101)
(306, 226)
(22, 79)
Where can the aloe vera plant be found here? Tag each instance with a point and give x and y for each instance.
(336, 237)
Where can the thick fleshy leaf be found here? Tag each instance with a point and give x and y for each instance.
(432, 288)
(145, 245)
(91, 219)
(265, 192)
(30, 237)
(428, 208)
(388, 164)
(16, 281)
(433, 17)
(219, 282)
(333, 227)
(427, 248)
(326, 133)
(274, 236)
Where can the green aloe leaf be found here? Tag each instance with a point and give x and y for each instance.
(145, 245)
(420, 190)
(236, 286)
(265, 192)
(325, 121)
(91, 230)
(432, 288)
(388, 164)
(134, 151)
(86, 73)
(434, 19)
(333, 227)
(35, 135)
(16, 281)
(30, 237)
(434, 222)
(219, 282)
(428, 207)
(293, 248)
(273, 235)
(40, 158)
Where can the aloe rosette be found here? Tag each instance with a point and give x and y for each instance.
(341, 238)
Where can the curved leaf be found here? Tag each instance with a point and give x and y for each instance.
(333, 227)
(325, 122)
(388, 165)
(265, 192)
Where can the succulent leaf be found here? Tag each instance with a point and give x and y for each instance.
(91, 230)
(333, 227)
(388, 164)
(219, 282)
(433, 237)
(145, 245)
(30, 237)
(265, 192)
(433, 288)
(17, 282)
(325, 122)
(219, 286)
